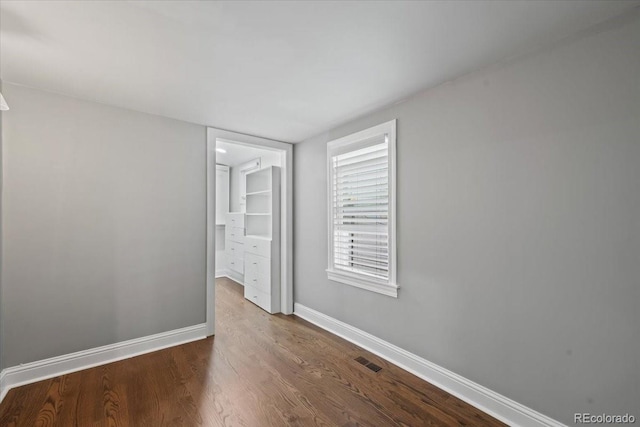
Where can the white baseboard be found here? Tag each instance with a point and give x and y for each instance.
(221, 273)
(231, 276)
(494, 404)
(3, 386)
(48, 368)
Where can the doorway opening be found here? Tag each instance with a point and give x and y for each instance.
(249, 219)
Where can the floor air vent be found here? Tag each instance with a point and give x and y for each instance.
(361, 360)
(373, 367)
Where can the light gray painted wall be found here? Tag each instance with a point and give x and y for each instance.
(104, 225)
(518, 227)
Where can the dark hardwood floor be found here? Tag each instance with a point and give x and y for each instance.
(259, 370)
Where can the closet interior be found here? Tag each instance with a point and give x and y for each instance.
(248, 220)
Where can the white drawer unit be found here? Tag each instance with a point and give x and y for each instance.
(262, 239)
(261, 299)
(234, 249)
(258, 246)
(236, 234)
(236, 264)
(235, 219)
(234, 246)
(257, 272)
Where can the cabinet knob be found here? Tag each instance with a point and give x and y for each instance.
(254, 280)
(255, 263)
(232, 249)
(255, 246)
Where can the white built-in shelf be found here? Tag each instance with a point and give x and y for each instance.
(222, 194)
(259, 237)
(234, 246)
(262, 239)
(258, 193)
(258, 181)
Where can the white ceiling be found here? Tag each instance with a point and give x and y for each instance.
(282, 70)
(237, 154)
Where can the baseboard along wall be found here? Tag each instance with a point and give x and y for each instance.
(49, 368)
(494, 404)
(229, 275)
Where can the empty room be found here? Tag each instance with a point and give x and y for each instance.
(319, 213)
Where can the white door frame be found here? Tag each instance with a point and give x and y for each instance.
(286, 227)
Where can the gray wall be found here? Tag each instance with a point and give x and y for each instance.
(518, 227)
(104, 225)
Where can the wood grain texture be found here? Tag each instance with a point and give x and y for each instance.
(259, 370)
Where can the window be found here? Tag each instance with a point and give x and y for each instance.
(361, 191)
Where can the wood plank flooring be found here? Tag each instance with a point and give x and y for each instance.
(259, 370)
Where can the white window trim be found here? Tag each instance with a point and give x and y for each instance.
(347, 143)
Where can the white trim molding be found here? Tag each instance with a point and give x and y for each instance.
(3, 384)
(390, 289)
(222, 273)
(350, 145)
(229, 275)
(494, 404)
(49, 368)
(286, 214)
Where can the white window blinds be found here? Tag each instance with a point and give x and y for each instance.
(361, 210)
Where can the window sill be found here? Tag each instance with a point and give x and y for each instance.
(369, 285)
